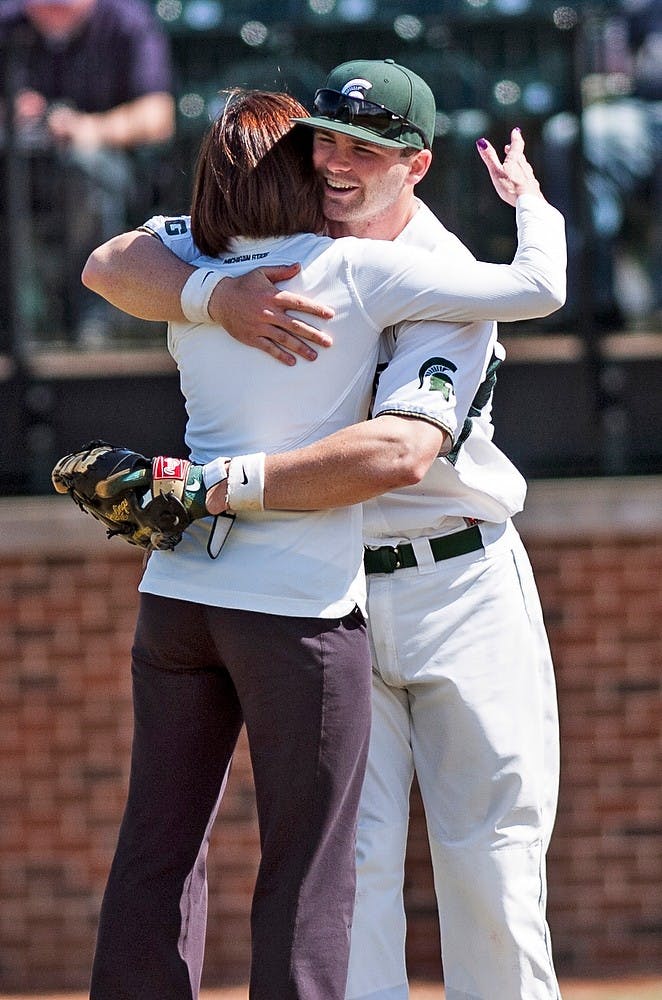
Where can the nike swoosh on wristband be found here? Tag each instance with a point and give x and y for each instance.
(244, 481)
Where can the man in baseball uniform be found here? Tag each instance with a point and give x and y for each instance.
(463, 686)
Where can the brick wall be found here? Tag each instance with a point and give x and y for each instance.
(67, 607)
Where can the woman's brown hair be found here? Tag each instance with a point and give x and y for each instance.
(254, 175)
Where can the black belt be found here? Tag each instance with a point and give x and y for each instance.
(388, 558)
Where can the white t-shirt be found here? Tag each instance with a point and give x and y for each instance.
(240, 400)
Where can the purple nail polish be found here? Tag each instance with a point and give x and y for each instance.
(481, 143)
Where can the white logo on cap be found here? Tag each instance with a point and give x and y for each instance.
(356, 88)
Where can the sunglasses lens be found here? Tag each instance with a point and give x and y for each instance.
(364, 114)
(327, 102)
(355, 111)
(379, 123)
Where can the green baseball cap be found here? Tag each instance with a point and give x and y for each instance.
(378, 101)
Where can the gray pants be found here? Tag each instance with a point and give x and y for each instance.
(302, 687)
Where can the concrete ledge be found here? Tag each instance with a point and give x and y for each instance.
(564, 508)
(116, 363)
(569, 508)
(524, 348)
(51, 526)
(568, 348)
(57, 363)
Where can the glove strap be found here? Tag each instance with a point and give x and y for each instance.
(197, 292)
(214, 472)
(184, 480)
(169, 475)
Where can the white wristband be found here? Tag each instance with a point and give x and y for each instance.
(196, 293)
(214, 472)
(246, 482)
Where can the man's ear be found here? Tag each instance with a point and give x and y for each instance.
(419, 164)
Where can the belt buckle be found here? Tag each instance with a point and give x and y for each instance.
(385, 559)
(391, 558)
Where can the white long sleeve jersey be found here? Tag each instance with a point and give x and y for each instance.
(239, 400)
(476, 480)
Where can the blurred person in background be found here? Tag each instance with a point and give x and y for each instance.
(644, 21)
(90, 83)
(621, 140)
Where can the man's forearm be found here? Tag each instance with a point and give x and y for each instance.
(139, 275)
(348, 467)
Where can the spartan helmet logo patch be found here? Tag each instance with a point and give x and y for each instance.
(356, 88)
(439, 372)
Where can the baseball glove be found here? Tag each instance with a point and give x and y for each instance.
(148, 502)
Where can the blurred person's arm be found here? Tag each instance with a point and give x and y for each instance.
(148, 119)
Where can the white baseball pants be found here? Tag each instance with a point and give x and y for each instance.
(464, 695)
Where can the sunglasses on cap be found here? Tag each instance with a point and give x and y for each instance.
(364, 114)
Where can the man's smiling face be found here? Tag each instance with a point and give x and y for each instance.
(368, 189)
